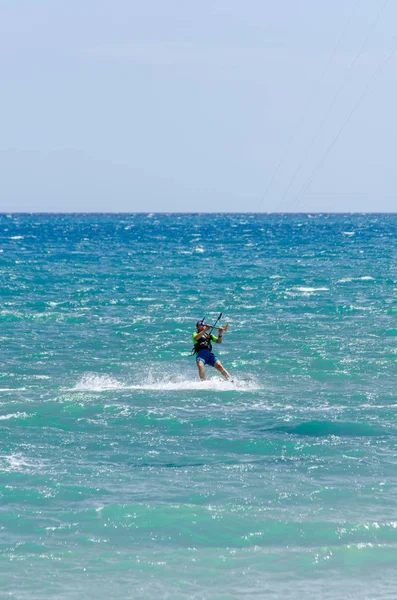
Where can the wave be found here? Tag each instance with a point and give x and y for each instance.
(195, 524)
(350, 279)
(305, 290)
(326, 428)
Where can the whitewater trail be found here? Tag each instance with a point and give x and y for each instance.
(104, 383)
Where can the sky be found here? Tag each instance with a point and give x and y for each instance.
(216, 106)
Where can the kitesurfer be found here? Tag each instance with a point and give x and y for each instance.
(202, 339)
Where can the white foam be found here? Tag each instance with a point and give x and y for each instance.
(104, 383)
(97, 383)
(18, 462)
(217, 385)
(312, 289)
(18, 415)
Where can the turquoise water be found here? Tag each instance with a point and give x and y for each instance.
(123, 475)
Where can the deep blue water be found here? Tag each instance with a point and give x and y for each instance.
(124, 476)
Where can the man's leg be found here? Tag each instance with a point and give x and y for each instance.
(200, 366)
(218, 366)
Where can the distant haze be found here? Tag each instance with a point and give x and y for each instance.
(220, 106)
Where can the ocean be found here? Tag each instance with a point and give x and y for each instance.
(122, 475)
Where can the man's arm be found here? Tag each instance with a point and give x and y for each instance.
(199, 334)
(220, 333)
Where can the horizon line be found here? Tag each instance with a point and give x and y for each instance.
(151, 212)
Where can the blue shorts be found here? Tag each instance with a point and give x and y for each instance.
(207, 357)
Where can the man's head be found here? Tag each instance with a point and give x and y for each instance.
(200, 325)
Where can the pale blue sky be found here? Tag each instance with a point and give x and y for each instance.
(215, 106)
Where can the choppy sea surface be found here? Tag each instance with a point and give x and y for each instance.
(124, 476)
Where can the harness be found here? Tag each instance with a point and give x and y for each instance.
(203, 343)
